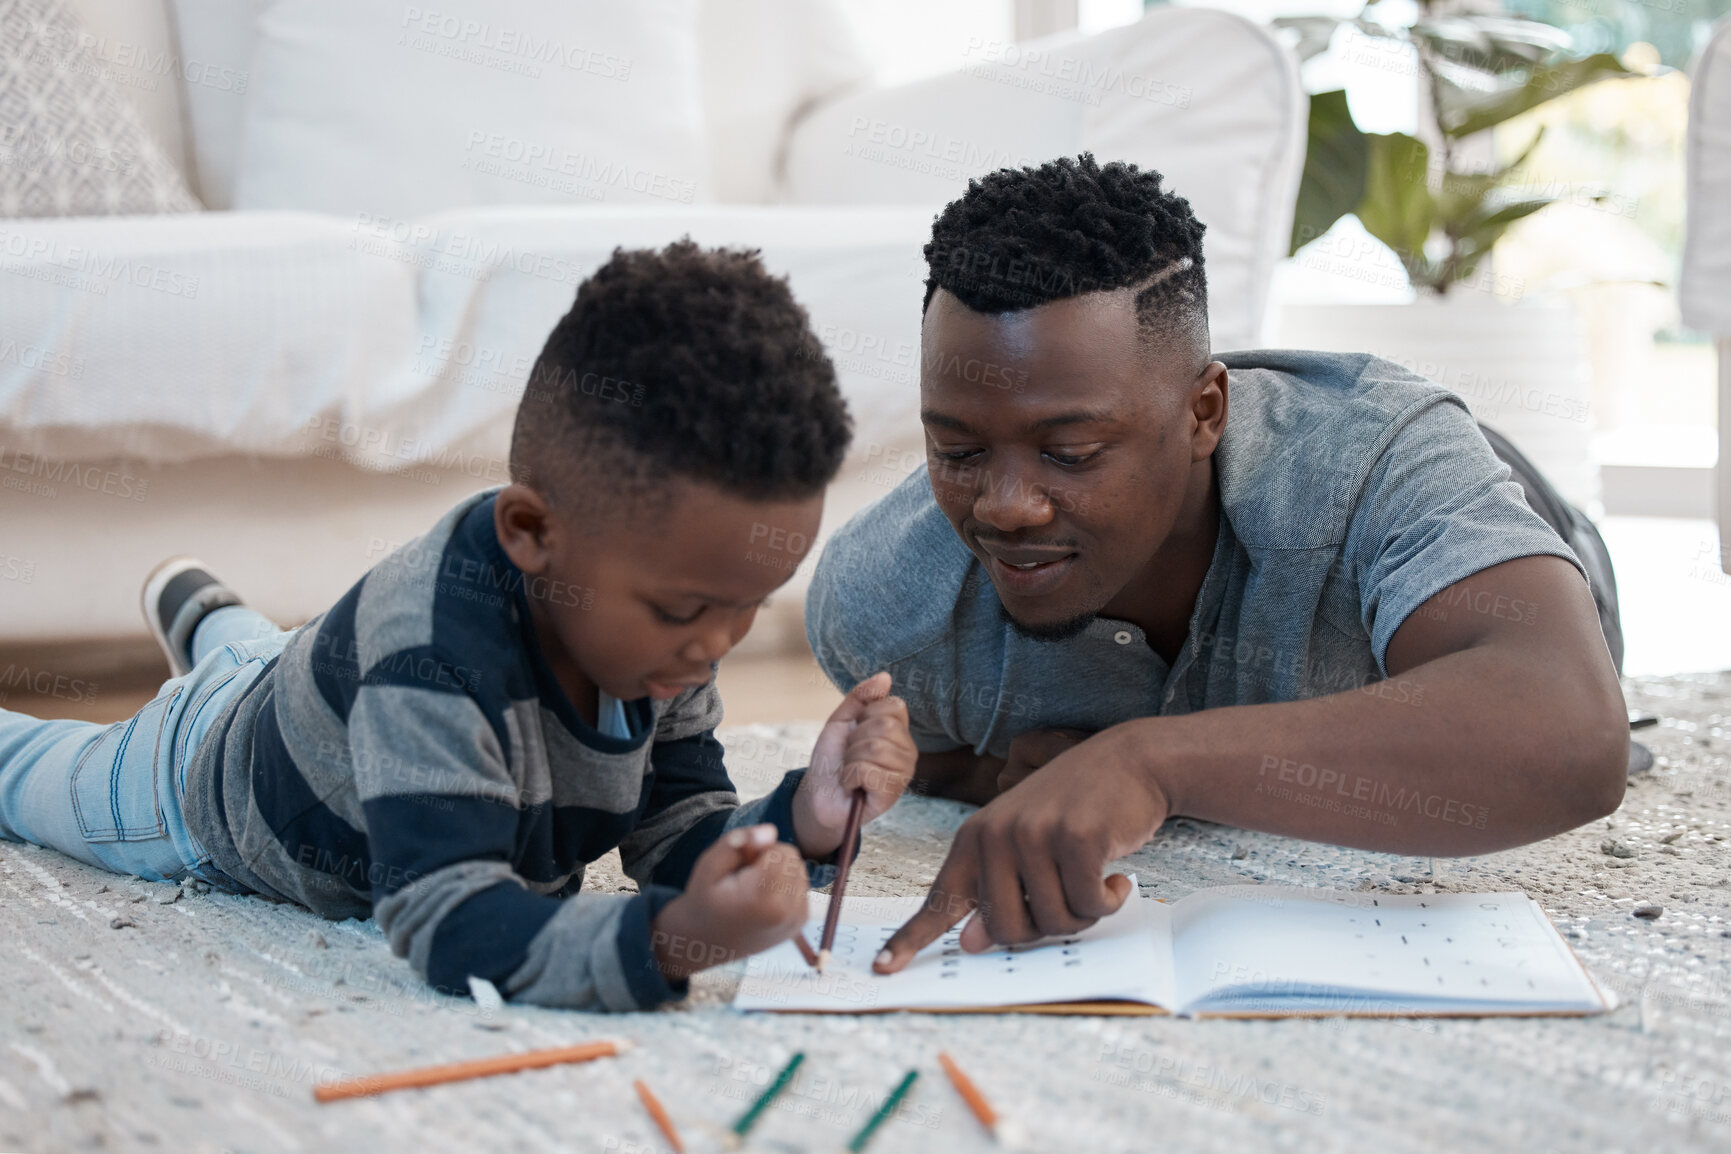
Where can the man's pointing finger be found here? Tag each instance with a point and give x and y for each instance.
(953, 896)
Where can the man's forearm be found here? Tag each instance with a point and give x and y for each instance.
(1472, 752)
(958, 775)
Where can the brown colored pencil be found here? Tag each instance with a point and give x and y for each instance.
(660, 1116)
(970, 1094)
(849, 838)
(805, 950)
(371, 1084)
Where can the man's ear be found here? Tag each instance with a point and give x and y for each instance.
(523, 522)
(1208, 407)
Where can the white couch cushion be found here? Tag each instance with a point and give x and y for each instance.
(394, 345)
(215, 40)
(403, 110)
(70, 143)
(132, 40)
(201, 334)
(764, 62)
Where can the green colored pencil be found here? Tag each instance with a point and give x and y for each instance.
(749, 1118)
(884, 1111)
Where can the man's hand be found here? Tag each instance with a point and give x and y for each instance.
(1031, 860)
(746, 893)
(865, 744)
(1032, 749)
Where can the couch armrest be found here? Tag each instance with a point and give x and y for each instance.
(1207, 98)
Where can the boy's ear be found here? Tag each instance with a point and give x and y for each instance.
(523, 522)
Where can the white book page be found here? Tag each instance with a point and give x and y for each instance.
(1266, 943)
(1125, 956)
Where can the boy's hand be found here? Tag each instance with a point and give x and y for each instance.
(746, 893)
(865, 744)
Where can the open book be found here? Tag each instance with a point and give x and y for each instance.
(1255, 951)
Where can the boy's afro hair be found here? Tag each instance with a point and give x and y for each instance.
(684, 361)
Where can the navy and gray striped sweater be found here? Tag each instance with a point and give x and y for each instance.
(409, 754)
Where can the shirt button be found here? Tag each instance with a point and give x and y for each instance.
(1123, 637)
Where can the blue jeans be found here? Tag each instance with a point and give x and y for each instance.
(110, 795)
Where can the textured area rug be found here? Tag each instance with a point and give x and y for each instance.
(137, 1016)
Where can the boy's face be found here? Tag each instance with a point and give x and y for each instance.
(643, 606)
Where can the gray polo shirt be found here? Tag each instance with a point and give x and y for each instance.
(1351, 492)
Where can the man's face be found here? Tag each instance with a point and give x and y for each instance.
(1060, 447)
(644, 605)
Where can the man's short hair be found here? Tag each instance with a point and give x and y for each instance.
(683, 362)
(1023, 237)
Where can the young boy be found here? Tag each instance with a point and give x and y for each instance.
(525, 687)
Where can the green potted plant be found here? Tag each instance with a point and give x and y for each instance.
(1521, 365)
(1438, 214)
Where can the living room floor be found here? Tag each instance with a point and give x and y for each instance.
(164, 1017)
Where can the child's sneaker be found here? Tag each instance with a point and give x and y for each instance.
(177, 595)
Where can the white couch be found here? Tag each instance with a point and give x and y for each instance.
(1705, 289)
(290, 393)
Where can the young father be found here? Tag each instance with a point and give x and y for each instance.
(1113, 597)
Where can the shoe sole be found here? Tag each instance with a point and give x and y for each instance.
(154, 585)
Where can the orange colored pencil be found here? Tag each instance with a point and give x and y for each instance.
(970, 1094)
(371, 1084)
(660, 1116)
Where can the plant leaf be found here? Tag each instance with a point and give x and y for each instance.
(1492, 225)
(1478, 237)
(1465, 114)
(1334, 168)
(1463, 194)
(1397, 207)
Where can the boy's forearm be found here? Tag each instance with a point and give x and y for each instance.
(813, 840)
(669, 861)
(788, 809)
(680, 946)
(1473, 752)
